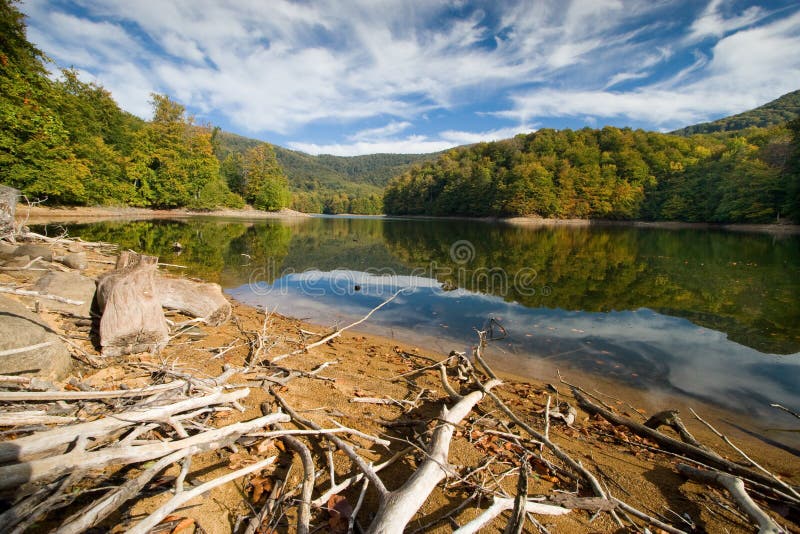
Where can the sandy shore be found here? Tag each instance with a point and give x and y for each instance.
(85, 214)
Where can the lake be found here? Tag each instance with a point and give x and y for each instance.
(704, 314)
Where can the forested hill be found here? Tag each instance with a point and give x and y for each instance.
(612, 173)
(779, 111)
(327, 183)
(69, 143)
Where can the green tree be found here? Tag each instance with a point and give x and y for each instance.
(265, 185)
(173, 163)
(34, 152)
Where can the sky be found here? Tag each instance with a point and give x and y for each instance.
(349, 77)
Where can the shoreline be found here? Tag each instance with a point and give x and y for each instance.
(81, 214)
(43, 214)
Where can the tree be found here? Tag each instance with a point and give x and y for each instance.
(173, 163)
(34, 152)
(265, 185)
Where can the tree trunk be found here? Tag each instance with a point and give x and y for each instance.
(205, 301)
(132, 320)
(8, 206)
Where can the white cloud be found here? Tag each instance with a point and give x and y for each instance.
(747, 68)
(414, 144)
(713, 23)
(467, 138)
(381, 132)
(280, 66)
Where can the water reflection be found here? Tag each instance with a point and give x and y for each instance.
(641, 347)
(704, 312)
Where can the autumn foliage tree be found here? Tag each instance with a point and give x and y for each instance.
(265, 185)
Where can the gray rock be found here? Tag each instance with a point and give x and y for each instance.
(73, 286)
(20, 328)
(76, 260)
(7, 250)
(34, 251)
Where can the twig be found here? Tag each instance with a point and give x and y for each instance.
(752, 462)
(39, 294)
(352, 521)
(500, 505)
(163, 511)
(338, 332)
(29, 348)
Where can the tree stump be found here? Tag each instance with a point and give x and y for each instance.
(132, 319)
(8, 207)
(197, 299)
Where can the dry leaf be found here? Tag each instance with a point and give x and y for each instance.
(185, 523)
(340, 512)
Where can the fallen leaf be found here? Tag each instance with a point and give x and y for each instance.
(340, 511)
(185, 523)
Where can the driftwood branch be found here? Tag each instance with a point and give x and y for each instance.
(39, 295)
(92, 514)
(749, 460)
(707, 457)
(502, 504)
(671, 419)
(47, 468)
(183, 497)
(398, 507)
(49, 440)
(338, 332)
(736, 488)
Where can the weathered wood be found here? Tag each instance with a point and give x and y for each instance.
(8, 207)
(737, 490)
(58, 438)
(197, 299)
(671, 419)
(14, 475)
(132, 319)
(398, 507)
(696, 453)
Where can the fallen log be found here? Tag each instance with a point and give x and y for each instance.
(132, 319)
(201, 300)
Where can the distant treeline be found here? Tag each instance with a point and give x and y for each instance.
(779, 111)
(331, 184)
(612, 173)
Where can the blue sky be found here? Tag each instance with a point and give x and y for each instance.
(366, 76)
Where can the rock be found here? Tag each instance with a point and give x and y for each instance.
(17, 262)
(34, 251)
(7, 250)
(73, 286)
(22, 328)
(75, 247)
(76, 260)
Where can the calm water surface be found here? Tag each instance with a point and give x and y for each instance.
(705, 314)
